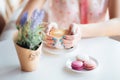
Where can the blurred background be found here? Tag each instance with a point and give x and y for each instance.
(7, 9)
(10, 10)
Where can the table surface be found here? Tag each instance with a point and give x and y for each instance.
(52, 67)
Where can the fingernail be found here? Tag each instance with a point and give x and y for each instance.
(63, 45)
(64, 37)
(60, 40)
(54, 39)
(53, 44)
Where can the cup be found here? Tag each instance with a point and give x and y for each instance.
(58, 35)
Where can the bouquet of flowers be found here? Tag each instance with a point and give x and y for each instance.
(31, 32)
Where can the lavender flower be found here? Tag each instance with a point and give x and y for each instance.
(37, 18)
(23, 19)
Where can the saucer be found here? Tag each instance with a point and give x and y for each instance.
(56, 51)
(70, 60)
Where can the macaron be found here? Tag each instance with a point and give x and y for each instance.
(82, 57)
(77, 65)
(90, 65)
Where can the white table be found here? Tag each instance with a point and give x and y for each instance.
(52, 67)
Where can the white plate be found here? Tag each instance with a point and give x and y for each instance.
(56, 51)
(70, 60)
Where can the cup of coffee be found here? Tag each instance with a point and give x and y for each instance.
(58, 35)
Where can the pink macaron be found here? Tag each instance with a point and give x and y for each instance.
(77, 65)
(90, 65)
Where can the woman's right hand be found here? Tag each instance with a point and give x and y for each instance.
(50, 41)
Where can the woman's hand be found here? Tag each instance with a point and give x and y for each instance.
(50, 40)
(73, 37)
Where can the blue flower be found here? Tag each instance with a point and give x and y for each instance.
(37, 18)
(23, 18)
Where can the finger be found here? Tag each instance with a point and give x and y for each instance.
(64, 41)
(49, 37)
(50, 45)
(50, 27)
(69, 37)
(67, 46)
(70, 30)
(49, 41)
(53, 25)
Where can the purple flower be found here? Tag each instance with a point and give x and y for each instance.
(23, 18)
(37, 18)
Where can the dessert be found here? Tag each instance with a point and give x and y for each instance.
(77, 65)
(89, 65)
(83, 62)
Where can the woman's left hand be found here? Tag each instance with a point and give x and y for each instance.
(73, 37)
